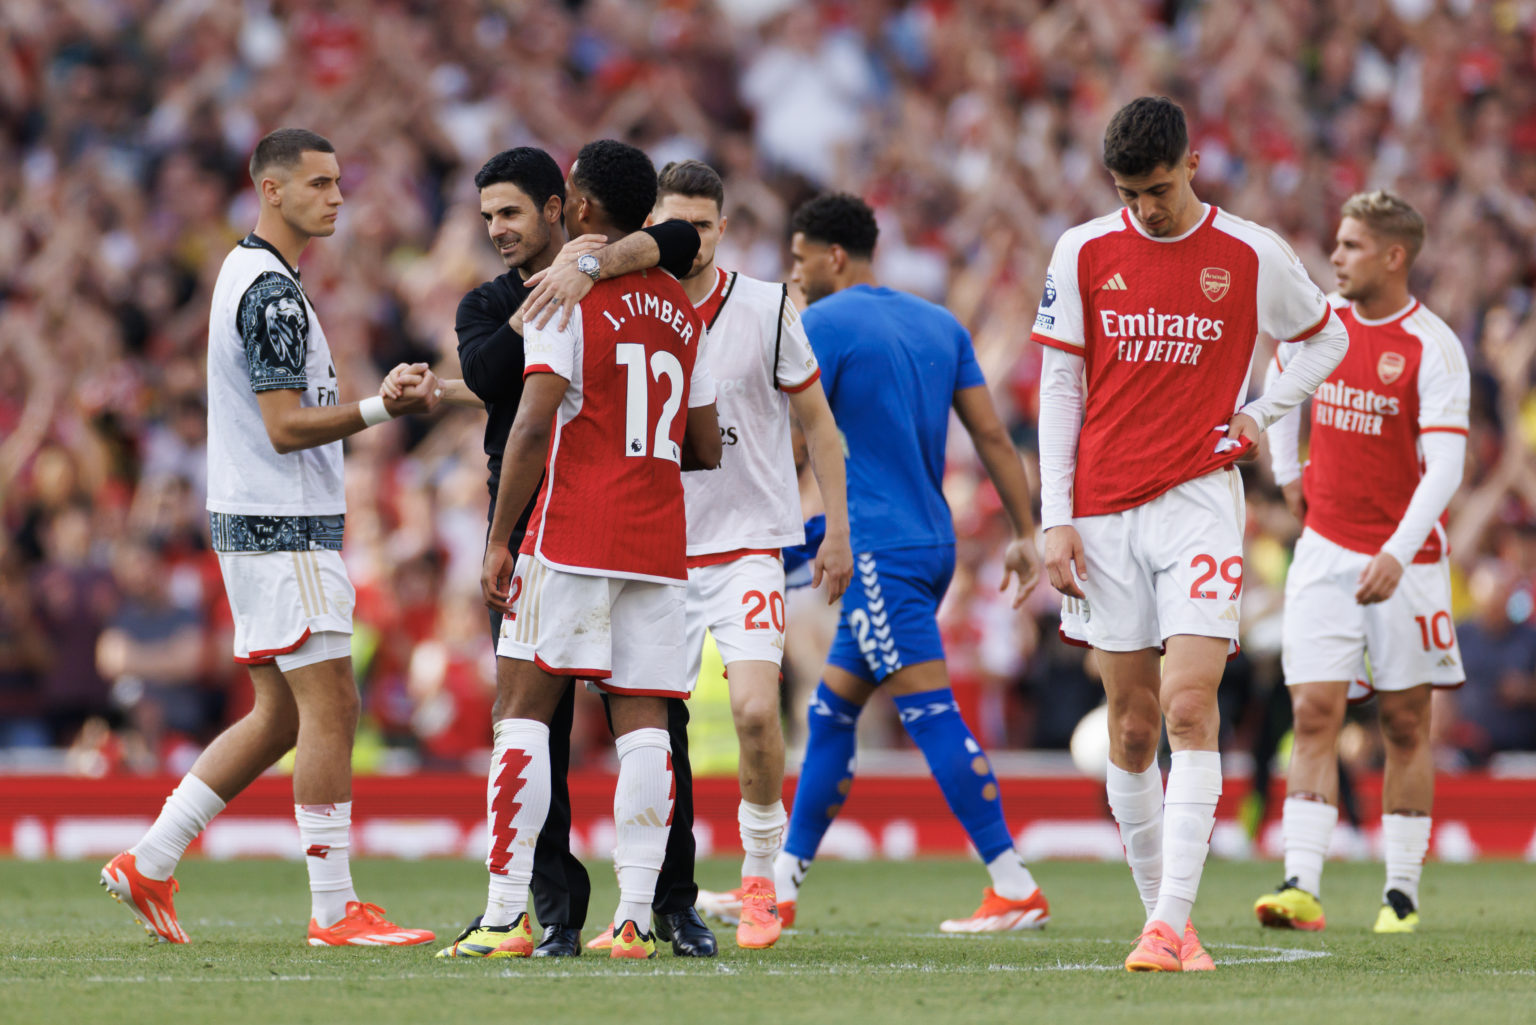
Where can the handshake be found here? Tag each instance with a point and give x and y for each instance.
(411, 388)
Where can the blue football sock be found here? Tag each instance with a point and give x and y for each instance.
(959, 766)
(826, 776)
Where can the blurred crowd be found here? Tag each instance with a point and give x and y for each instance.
(972, 128)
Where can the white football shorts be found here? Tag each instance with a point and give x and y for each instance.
(1410, 638)
(741, 602)
(1173, 565)
(279, 599)
(626, 636)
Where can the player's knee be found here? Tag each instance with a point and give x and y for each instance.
(1404, 727)
(1315, 719)
(1190, 714)
(757, 718)
(1137, 738)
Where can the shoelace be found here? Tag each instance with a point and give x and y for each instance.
(371, 913)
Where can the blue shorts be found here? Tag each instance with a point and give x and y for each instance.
(890, 611)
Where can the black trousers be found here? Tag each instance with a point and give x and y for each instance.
(561, 887)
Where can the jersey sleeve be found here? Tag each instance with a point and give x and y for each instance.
(551, 349)
(701, 383)
(823, 341)
(968, 371)
(797, 368)
(1445, 385)
(1291, 306)
(274, 328)
(1059, 321)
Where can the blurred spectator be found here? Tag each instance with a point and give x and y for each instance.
(1497, 705)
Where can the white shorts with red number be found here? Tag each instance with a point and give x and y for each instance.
(626, 636)
(279, 598)
(741, 602)
(1173, 565)
(1409, 638)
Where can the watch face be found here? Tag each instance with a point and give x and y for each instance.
(587, 263)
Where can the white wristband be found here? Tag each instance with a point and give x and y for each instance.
(374, 411)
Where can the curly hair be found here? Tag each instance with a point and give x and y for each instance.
(527, 167)
(621, 178)
(1145, 134)
(838, 219)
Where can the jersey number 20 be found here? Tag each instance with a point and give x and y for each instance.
(639, 439)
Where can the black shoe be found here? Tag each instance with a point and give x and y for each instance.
(559, 941)
(689, 935)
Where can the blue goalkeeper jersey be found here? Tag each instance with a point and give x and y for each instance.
(891, 364)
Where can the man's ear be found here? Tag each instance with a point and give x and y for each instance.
(838, 256)
(271, 191)
(554, 206)
(1397, 257)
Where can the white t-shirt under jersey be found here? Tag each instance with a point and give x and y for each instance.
(758, 353)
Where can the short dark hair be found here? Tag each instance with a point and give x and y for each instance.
(1145, 134)
(527, 167)
(285, 148)
(840, 219)
(692, 178)
(621, 178)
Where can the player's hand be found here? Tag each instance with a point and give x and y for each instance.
(1021, 560)
(1379, 579)
(834, 561)
(401, 377)
(496, 578)
(558, 287)
(1244, 426)
(1065, 563)
(1295, 501)
(579, 246)
(421, 397)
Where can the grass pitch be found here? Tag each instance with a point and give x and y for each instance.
(867, 949)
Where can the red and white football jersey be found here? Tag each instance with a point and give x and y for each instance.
(758, 353)
(1166, 328)
(1403, 376)
(612, 499)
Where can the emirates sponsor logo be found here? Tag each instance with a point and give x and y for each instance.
(1391, 366)
(1214, 282)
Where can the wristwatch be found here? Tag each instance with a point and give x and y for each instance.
(587, 264)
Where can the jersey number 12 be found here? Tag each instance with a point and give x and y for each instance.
(639, 439)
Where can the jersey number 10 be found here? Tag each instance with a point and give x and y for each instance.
(638, 436)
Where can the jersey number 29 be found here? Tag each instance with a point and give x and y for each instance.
(639, 439)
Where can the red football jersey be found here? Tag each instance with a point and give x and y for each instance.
(612, 500)
(1403, 376)
(1166, 328)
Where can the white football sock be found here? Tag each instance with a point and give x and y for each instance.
(186, 813)
(1010, 878)
(788, 876)
(642, 815)
(762, 836)
(1189, 815)
(325, 833)
(1136, 801)
(1405, 842)
(1308, 829)
(516, 805)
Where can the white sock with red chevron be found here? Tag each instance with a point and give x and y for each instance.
(516, 805)
(325, 833)
(642, 815)
(187, 812)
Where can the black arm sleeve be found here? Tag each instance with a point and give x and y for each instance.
(274, 325)
(490, 352)
(678, 242)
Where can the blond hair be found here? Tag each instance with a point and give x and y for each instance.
(1387, 214)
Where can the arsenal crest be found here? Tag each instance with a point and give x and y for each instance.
(1214, 282)
(1391, 366)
